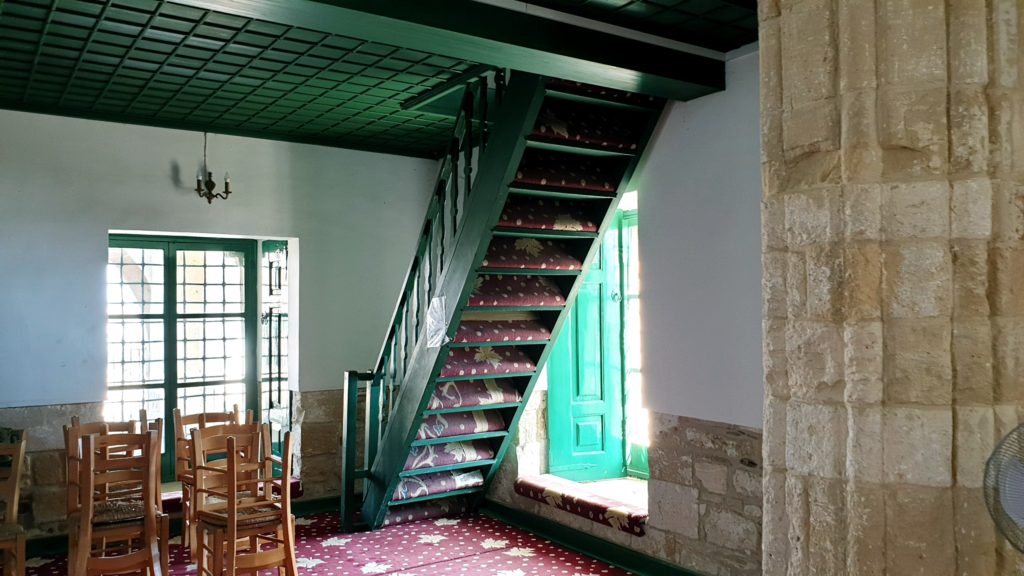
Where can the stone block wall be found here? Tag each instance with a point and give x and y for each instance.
(317, 434)
(705, 494)
(43, 508)
(893, 235)
(704, 491)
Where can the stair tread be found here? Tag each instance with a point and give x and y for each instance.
(460, 437)
(600, 93)
(588, 125)
(432, 508)
(493, 331)
(414, 487)
(534, 233)
(486, 361)
(567, 171)
(548, 214)
(438, 426)
(450, 454)
(507, 290)
(438, 496)
(473, 393)
(529, 254)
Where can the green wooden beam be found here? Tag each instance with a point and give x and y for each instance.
(489, 34)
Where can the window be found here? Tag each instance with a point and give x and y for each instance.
(597, 424)
(181, 328)
(275, 394)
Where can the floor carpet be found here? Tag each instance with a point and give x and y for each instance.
(458, 546)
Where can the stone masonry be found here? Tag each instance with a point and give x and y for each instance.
(43, 509)
(893, 235)
(704, 492)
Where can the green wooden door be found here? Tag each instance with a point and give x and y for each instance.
(585, 408)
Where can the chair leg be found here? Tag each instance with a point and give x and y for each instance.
(291, 567)
(217, 551)
(165, 544)
(19, 556)
(199, 554)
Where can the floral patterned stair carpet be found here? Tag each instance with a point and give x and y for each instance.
(455, 546)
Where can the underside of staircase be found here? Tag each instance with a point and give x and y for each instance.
(532, 180)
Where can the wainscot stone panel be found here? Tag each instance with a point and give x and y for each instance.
(704, 494)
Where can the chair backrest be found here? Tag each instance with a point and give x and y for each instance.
(210, 455)
(10, 476)
(120, 468)
(243, 482)
(73, 450)
(183, 426)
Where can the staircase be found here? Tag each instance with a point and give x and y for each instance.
(531, 180)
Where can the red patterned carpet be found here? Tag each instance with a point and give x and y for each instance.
(459, 546)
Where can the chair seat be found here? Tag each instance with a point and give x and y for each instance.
(218, 500)
(112, 511)
(248, 517)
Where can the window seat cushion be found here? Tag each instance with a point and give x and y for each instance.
(575, 498)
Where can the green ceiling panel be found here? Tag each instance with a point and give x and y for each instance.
(165, 64)
(717, 24)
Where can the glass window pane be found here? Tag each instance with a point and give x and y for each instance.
(211, 281)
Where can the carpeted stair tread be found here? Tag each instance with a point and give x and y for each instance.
(529, 254)
(519, 291)
(564, 171)
(437, 455)
(437, 483)
(485, 361)
(466, 393)
(574, 123)
(532, 213)
(602, 93)
(574, 498)
(490, 331)
(460, 424)
(401, 514)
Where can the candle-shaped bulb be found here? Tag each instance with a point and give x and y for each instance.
(227, 176)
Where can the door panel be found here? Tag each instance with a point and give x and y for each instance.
(586, 427)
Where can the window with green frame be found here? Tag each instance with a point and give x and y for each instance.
(182, 328)
(597, 426)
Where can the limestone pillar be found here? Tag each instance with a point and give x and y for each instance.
(893, 221)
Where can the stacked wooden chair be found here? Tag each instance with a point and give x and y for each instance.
(115, 520)
(242, 509)
(183, 427)
(12, 536)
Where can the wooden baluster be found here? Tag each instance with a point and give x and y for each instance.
(485, 131)
(442, 195)
(453, 154)
(467, 139)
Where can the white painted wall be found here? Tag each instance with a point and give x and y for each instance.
(64, 183)
(700, 249)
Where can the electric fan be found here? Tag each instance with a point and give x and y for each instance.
(1004, 487)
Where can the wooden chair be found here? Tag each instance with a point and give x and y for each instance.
(73, 450)
(12, 536)
(243, 501)
(73, 453)
(118, 507)
(183, 425)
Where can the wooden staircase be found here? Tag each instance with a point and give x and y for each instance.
(530, 183)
